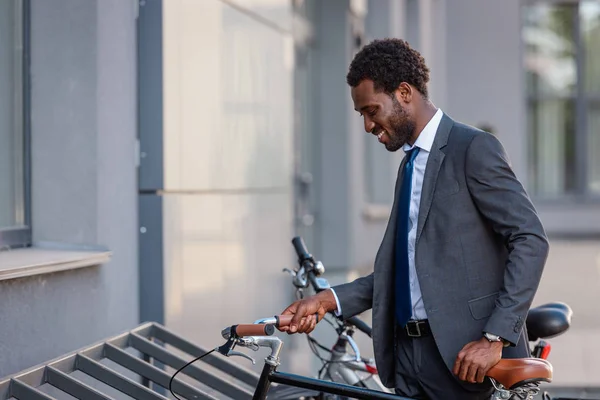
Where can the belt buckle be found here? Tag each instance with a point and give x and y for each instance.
(418, 329)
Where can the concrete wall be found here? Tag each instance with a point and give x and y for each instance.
(83, 180)
(485, 76)
(226, 211)
(372, 169)
(353, 174)
(8, 112)
(332, 133)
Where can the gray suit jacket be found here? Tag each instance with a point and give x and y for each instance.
(480, 252)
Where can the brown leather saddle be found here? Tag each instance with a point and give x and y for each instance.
(512, 373)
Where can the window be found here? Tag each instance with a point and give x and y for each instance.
(562, 63)
(14, 142)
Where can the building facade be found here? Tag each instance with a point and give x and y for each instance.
(157, 157)
(68, 140)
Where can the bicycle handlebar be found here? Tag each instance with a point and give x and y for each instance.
(301, 250)
(305, 257)
(361, 326)
(262, 327)
(252, 330)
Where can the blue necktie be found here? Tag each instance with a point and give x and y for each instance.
(403, 301)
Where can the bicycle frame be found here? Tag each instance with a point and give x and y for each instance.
(235, 335)
(343, 367)
(270, 375)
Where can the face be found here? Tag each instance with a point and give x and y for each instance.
(385, 116)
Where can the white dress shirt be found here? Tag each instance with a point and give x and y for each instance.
(424, 142)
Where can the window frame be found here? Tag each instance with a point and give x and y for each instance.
(581, 101)
(21, 236)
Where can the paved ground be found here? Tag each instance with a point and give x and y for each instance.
(572, 275)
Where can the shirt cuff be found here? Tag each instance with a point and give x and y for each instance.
(338, 311)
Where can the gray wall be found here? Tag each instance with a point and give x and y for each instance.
(485, 84)
(83, 180)
(333, 132)
(485, 74)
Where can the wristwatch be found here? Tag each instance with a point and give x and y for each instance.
(495, 338)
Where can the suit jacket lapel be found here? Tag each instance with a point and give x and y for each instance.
(434, 163)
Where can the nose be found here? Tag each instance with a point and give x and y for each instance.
(369, 124)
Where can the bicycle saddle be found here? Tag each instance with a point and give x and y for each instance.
(515, 372)
(548, 320)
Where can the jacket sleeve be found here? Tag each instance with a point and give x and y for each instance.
(502, 200)
(356, 296)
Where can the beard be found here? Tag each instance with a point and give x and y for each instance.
(402, 127)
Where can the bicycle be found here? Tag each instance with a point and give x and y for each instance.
(511, 378)
(543, 322)
(341, 366)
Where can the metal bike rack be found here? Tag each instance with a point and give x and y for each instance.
(132, 365)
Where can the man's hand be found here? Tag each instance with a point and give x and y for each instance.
(306, 310)
(476, 359)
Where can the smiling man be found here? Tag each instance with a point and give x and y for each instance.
(464, 249)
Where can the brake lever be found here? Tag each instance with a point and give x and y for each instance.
(299, 277)
(240, 354)
(300, 280)
(227, 349)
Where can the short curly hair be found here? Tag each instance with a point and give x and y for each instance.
(389, 62)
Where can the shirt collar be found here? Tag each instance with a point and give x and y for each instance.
(427, 135)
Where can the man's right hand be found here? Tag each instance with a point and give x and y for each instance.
(306, 310)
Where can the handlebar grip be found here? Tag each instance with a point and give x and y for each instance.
(285, 320)
(253, 330)
(360, 325)
(300, 248)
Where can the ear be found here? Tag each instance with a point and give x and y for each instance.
(404, 93)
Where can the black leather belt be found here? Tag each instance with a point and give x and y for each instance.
(416, 329)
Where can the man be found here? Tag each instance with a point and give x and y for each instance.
(463, 252)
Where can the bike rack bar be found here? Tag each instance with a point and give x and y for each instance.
(247, 376)
(21, 390)
(151, 342)
(154, 374)
(70, 385)
(119, 382)
(173, 361)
